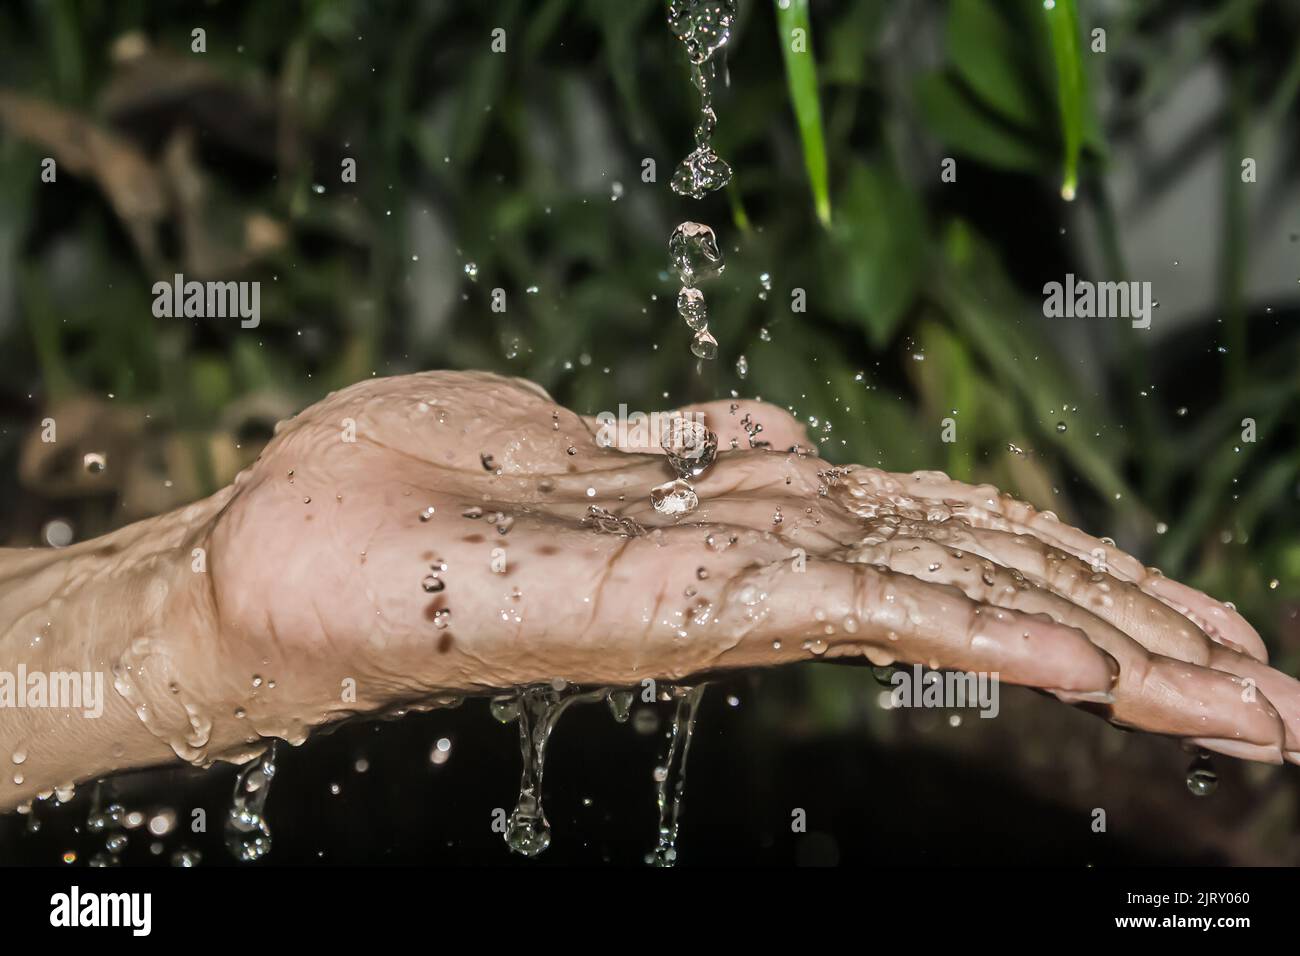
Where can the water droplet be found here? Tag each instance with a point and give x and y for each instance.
(689, 446)
(693, 250)
(505, 709)
(704, 345)
(691, 307)
(185, 857)
(620, 703)
(702, 171)
(674, 498)
(1201, 778)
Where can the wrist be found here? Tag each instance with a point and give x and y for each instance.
(100, 646)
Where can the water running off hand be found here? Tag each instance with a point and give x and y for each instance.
(671, 776)
(248, 835)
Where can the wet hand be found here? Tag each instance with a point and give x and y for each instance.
(411, 540)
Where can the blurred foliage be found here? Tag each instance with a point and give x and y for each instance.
(525, 168)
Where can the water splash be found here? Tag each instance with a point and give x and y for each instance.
(670, 776)
(248, 835)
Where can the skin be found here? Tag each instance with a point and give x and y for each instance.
(318, 586)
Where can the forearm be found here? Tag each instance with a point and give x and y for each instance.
(90, 638)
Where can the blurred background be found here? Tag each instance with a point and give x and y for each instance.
(522, 171)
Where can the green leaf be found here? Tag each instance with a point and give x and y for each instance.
(988, 50)
(880, 250)
(795, 34)
(1063, 27)
(622, 26)
(966, 128)
(846, 59)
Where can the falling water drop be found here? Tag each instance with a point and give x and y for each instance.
(1201, 778)
(690, 306)
(704, 345)
(694, 254)
(505, 709)
(703, 27)
(620, 703)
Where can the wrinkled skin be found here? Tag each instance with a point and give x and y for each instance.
(320, 559)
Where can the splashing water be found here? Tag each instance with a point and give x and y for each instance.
(670, 776)
(248, 836)
(690, 449)
(703, 27)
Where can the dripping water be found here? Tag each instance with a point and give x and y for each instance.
(620, 703)
(670, 776)
(248, 835)
(1201, 778)
(538, 709)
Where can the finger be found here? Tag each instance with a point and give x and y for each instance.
(985, 506)
(1282, 691)
(833, 609)
(1153, 693)
(1150, 622)
(1154, 625)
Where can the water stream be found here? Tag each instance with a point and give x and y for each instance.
(703, 27)
(670, 775)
